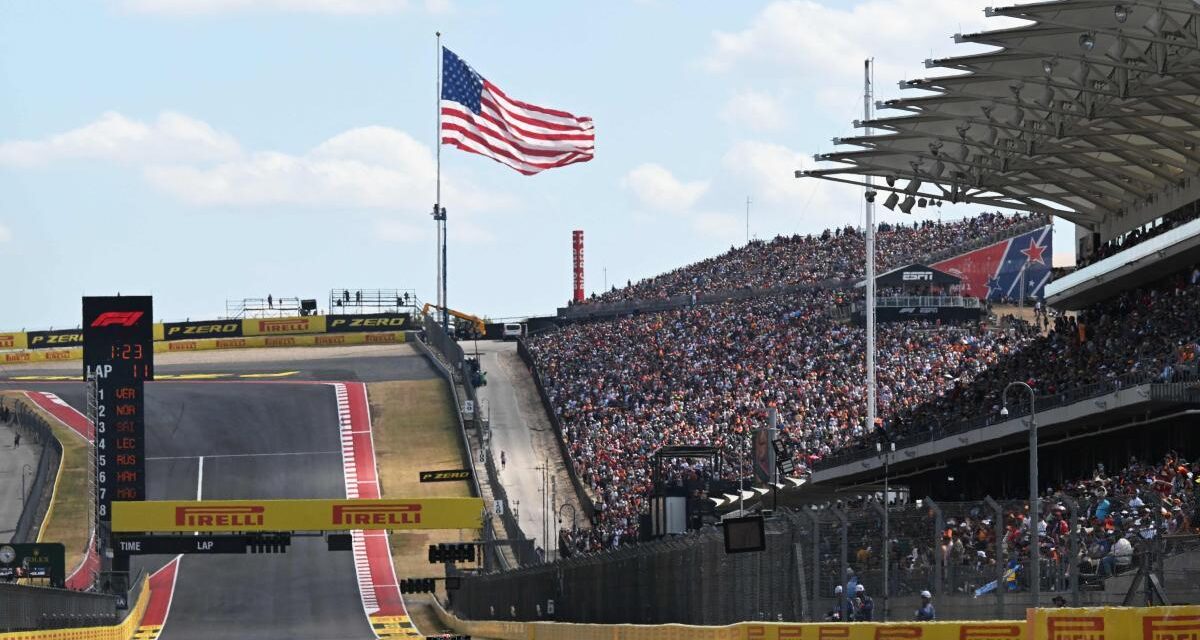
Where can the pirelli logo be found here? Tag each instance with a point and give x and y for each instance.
(249, 516)
(445, 476)
(7, 341)
(327, 340)
(1076, 628)
(1171, 628)
(231, 343)
(58, 355)
(183, 346)
(398, 513)
(967, 631)
(991, 631)
(18, 357)
(280, 342)
(380, 338)
(286, 325)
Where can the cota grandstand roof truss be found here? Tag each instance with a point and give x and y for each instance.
(1089, 108)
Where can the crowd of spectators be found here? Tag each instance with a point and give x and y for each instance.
(797, 259)
(1119, 515)
(1153, 330)
(1141, 234)
(706, 376)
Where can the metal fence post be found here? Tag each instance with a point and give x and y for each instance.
(816, 562)
(887, 588)
(1072, 548)
(845, 545)
(939, 525)
(1001, 553)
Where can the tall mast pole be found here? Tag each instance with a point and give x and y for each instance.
(870, 317)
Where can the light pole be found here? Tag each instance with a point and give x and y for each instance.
(887, 536)
(1035, 511)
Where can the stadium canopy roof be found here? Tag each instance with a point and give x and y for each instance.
(1089, 108)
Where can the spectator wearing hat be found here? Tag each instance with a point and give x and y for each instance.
(925, 613)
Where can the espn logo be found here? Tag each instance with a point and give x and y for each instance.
(396, 513)
(1171, 628)
(117, 319)
(909, 276)
(218, 516)
(289, 325)
(1075, 628)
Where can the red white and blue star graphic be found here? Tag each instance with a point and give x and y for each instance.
(995, 271)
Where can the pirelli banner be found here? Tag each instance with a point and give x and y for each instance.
(283, 326)
(1115, 623)
(254, 342)
(16, 340)
(42, 355)
(297, 515)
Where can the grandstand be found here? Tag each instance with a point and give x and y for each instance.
(1083, 114)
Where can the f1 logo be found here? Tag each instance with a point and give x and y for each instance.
(117, 318)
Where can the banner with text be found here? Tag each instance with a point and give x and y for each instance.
(15, 340)
(283, 326)
(297, 515)
(55, 339)
(367, 322)
(201, 329)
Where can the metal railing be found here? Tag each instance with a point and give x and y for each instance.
(350, 301)
(1181, 387)
(691, 580)
(598, 311)
(25, 608)
(928, 301)
(35, 431)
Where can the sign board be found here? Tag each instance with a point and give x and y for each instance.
(118, 352)
(45, 561)
(445, 476)
(171, 545)
(468, 408)
(297, 515)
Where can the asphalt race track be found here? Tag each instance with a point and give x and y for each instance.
(252, 440)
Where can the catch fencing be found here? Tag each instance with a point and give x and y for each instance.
(35, 431)
(691, 580)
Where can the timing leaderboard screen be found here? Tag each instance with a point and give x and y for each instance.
(118, 351)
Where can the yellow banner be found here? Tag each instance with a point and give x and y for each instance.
(159, 334)
(298, 515)
(283, 326)
(320, 340)
(15, 340)
(1116, 623)
(41, 355)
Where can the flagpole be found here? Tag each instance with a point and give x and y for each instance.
(439, 212)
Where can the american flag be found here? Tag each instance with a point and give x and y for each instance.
(479, 118)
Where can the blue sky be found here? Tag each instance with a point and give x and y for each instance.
(200, 150)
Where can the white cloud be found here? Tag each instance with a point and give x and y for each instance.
(769, 168)
(5, 234)
(835, 38)
(173, 137)
(755, 110)
(655, 187)
(364, 168)
(336, 7)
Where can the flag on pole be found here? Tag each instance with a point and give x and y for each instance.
(478, 117)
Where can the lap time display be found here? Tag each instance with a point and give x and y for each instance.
(118, 353)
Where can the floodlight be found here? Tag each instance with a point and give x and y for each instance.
(891, 201)
(907, 205)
